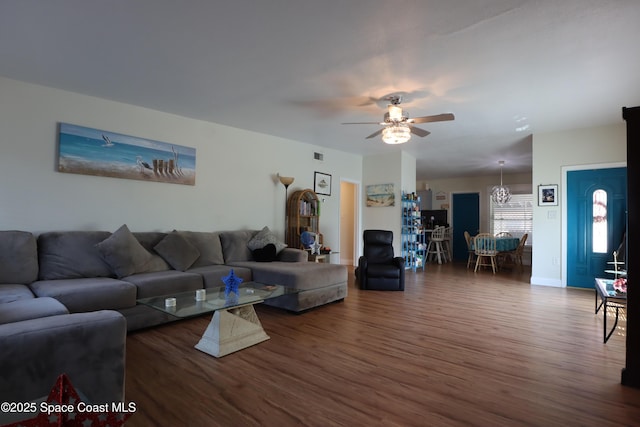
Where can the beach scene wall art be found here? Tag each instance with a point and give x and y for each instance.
(380, 195)
(88, 151)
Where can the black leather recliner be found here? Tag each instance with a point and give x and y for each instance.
(378, 269)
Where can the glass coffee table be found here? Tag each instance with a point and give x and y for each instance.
(609, 297)
(235, 324)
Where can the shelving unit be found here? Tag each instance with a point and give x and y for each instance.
(413, 239)
(303, 214)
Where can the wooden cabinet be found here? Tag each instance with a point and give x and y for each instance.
(303, 214)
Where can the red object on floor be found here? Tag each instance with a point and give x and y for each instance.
(66, 409)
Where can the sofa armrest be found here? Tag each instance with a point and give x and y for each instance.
(88, 347)
(293, 255)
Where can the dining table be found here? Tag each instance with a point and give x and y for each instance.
(506, 244)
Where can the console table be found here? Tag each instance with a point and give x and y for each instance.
(322, 257)
(609, 297)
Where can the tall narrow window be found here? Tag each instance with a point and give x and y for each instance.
(599, 234)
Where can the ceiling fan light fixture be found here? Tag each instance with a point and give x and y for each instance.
(395, 113)
(500, 194)
(396, 134)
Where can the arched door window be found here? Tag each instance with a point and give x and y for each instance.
(600, 229)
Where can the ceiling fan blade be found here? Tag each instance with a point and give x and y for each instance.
(376, 133)
(435, 118)
(417, 131)
(361, 123)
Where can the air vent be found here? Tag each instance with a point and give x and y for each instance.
(318, 156)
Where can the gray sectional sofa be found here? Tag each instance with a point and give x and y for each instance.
(67, 299)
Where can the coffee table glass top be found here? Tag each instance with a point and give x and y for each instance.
(187, 306)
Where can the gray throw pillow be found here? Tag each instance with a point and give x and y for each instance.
(263, 238)
(177, 251)
(208, 244)
(18, 257)
(124, 254)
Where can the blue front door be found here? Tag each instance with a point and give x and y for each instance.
(465, 217)
(596, 209)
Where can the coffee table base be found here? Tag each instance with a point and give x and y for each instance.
(231, 330)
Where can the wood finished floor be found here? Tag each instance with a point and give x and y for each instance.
(457, 348)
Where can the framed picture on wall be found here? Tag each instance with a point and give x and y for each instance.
(380, 195)
(322, 183)
(90, 151)
(548, 195)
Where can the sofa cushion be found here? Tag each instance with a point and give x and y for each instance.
(34, 308)
(88, 294)
(124, 254)
(212, 275)
(164, 283)
(299, 275)
(263, 238)
(234, 245)
(177, 251)
(71, 254)
(89, 347)
(293, 255)
(18, 257)
(9, 293)
(208, 244)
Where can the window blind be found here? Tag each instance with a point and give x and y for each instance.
(515, 217)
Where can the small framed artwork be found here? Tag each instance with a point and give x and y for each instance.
(380, 195)
(548, 195)
(322, 183)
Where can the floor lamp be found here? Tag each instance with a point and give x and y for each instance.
(286, 181)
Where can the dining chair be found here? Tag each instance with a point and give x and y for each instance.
(471, 259)
(435, 249)
(446, 243)
(504, 234)
(484, 245)
(520, 251)
(517, 255)
(513, 257)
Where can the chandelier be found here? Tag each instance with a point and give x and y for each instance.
(398, 133)
(500, 194)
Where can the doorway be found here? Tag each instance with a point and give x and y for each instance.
(465, 216)
(596, 209)
(349, 224)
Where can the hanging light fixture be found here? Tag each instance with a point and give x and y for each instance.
(396, 134)
(500, 194)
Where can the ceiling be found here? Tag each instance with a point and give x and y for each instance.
(297, 69)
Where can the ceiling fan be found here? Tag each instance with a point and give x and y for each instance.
(398, 127)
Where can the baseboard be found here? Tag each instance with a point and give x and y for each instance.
(546, 281)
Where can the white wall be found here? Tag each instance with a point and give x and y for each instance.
(397, 168)
(408, 166)
(553, 152)
(235, 186)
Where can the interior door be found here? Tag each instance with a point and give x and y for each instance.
(348, 223)
(465, 216)
(596, 206)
